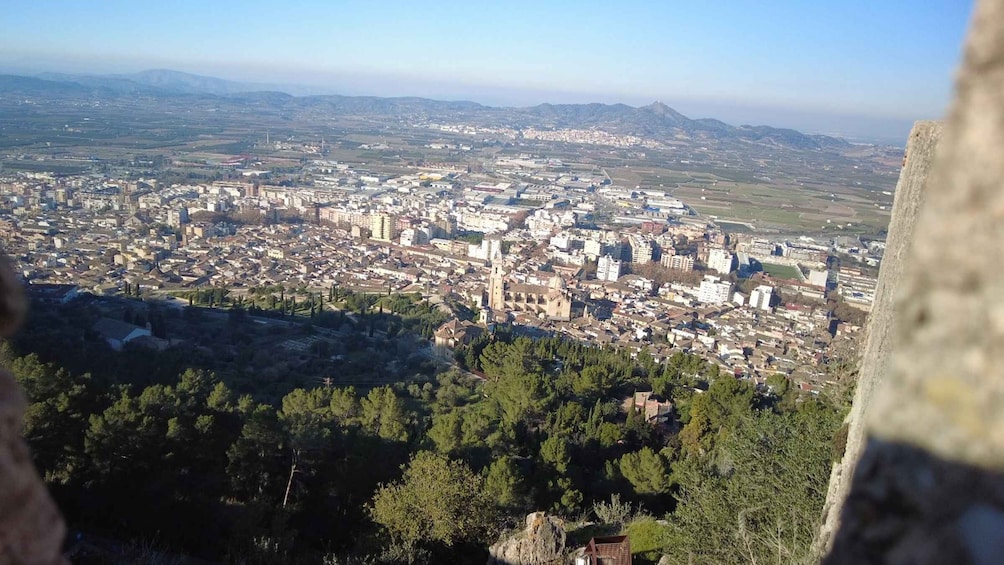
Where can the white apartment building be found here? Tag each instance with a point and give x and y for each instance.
(382, 227)
(641, 251)
(761, 296)
(608, 268)
(713, 291)
(720, 260)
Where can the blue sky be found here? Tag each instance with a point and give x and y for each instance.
(886, 60)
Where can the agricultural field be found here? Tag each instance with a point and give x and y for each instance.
(815, 200)
(783, 208)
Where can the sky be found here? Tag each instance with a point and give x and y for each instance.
(832, 66)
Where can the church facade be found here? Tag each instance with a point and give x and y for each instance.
(552, 301)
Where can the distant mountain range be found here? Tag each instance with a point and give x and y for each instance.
(656, 121)
(174, 82)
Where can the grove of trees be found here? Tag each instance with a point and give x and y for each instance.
(434, 471)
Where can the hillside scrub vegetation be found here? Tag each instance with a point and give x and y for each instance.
(429, 468)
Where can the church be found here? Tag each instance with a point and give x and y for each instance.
(552, 301)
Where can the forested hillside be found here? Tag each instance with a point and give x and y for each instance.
(430, 469)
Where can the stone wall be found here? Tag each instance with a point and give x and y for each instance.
(927, 450)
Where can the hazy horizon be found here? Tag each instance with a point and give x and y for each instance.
(858, 70)
(865, 129)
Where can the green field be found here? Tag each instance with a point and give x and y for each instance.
(782, 271)
(801, 201)
(786, 206)
(733, 227)
(44, 166)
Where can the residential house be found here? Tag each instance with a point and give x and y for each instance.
(118, 333)
(456, 333)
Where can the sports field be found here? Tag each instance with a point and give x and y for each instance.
(782, 271)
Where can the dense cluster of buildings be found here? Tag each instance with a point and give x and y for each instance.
(513, 242)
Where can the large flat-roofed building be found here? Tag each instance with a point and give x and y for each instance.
(761, 297)
(593, 248)
(678, 262)
(819, 278)
(713, 291)
(641, 251)
(608, 268)
(383, 227)
(720, 260)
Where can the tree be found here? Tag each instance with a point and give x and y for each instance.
(437, 500)
(344, 405)
(715, 413)
(446, 431)
(256, 463)
(609, 434)
(129, 435)
(57, 415)
(382, 414)
(778, 384)
(647, 471)
(649, 537)
(554, 451)
(307, 415)
(520, 397)
(764, 505)
(594, 380)
(504, 483)
(502, 359)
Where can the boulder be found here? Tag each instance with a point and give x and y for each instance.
(541, 543)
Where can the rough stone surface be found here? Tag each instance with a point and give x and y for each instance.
(541, 543)
(31, 529)
(950, 338)
(876, 353)
(908, 506)
(929, 486)
(12, 304)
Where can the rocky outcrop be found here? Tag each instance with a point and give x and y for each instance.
(876, 353)
(945, 388)
(929, 484)
(31, 529)
(541, 543)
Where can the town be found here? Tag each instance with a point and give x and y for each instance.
(528, 241)
(359, 283)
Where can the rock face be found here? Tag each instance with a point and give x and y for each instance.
(31, 529)
(541, 543)
(875, 361)
(950, 335)
(929, 484)
(12, 304)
